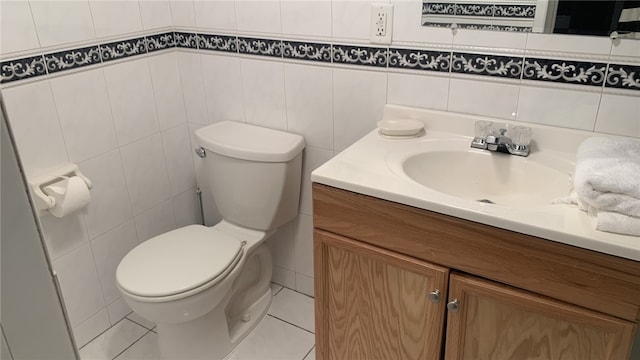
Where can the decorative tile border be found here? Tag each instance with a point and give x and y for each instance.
(264, 47)
(72, 59)
(217, 43)
(565, 71)
(306, 51)
(419, 59)
(510, 11)
(359, 55)
(498, 27)
(623, 77)
(123, 49)
(509, 67)
(490, 65)
(20, 69)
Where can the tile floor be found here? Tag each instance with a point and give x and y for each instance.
(286, 333)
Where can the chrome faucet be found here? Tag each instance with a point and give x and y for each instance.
(497, 141)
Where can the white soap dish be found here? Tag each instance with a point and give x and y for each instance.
(401, 127)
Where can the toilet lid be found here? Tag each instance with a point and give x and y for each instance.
(178, 261)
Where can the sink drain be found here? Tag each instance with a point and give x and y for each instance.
(486, 201)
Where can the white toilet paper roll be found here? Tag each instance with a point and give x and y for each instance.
(70, 194)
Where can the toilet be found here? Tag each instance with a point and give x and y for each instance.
(206, 288)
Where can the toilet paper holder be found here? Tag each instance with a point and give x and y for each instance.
(43, 201)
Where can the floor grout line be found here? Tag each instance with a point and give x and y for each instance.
(133, 343)
(309, 352)
(292, 324)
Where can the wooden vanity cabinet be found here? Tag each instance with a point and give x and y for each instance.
(385, 274)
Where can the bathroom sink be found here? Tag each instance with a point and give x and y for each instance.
(487, 177)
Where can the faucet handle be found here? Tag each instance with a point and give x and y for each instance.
(483, 128)
(521, 135)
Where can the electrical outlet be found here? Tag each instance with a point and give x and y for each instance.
(381, 23)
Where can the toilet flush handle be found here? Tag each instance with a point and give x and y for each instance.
(200, 152)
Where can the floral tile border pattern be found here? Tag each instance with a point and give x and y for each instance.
(574, 72)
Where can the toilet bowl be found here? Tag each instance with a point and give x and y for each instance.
(206, 288)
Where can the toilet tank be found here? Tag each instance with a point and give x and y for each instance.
(254, 173)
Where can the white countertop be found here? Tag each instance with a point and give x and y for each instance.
(364, 168)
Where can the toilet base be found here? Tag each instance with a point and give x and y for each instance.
(204, 338)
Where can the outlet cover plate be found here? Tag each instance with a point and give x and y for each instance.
(381, 23)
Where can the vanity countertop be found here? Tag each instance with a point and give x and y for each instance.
(372, 166)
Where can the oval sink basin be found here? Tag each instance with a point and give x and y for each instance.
(487, 177)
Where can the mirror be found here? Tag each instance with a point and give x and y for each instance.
(615, 18)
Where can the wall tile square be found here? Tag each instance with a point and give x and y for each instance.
(132, 101)
(358, 100)
(177, 151)
(310, 103)
(304, 284)
(282, 246)
(109, 206)
(17, 30)
(193, 87)
(80, 285)
(109, 249)
(258, 16)
(418, 90)
(156, 221)
(32, 115)
(313, 158)
(182, 13)
(219, 14)
(90, 328)
(63, 235)
(83, 107)
(187, 208)
(146, 173)
(167, 88)
(407, 25)
(558, 107)
(310, 18)
(60, 22)
(284, 277)
(223, 88)
(118, 310)
(303, 240)
(155, 14)
(264, 96)
(626, 47)
(483, 98)
(351, 19)
(115, 17)
(618, 114)
(594, 45)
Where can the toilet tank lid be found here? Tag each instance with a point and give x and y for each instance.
(250, 142)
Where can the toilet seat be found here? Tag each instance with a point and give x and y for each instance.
(178, 261)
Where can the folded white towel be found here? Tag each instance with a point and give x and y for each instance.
(607, 175)
(618, 223)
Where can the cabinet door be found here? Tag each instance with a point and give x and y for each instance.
(375, 304)
(497, 322)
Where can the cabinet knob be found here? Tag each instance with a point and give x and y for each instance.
(434, 296)
(453, 306)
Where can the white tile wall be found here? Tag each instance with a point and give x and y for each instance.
(153, 105)
(258, 16)
(80, 284)
(17, 30)
(146, 172)
(109, 205)
(358, 99)
(310, 18)
(132, 100)
(263, 86)
(115, 17)
(223, 88)
(83, 109)
(165, 77)
(220, 14)
(310, 108)
(108, 250)
(155, 14)
(75, 15)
